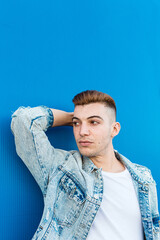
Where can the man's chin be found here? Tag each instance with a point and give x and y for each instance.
(87, 153)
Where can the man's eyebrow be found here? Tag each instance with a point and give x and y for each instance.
(94, 116)
(75, 118)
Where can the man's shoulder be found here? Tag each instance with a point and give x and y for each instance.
(141, 167)
(144, 171)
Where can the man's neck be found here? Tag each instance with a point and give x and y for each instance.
(108, 162)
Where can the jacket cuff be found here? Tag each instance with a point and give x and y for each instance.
(50, 117)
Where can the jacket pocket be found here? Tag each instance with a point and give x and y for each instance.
(69, 201)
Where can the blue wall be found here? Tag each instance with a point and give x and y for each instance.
(52, 50)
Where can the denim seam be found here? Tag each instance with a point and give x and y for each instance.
(38, 157)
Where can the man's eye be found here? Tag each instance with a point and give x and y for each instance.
(94, 122)
(75, 123)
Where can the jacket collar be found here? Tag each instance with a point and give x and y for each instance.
(88, 165)
(139, 173)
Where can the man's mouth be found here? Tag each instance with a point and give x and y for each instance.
(85, 143)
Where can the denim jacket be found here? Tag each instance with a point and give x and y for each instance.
(72, 186)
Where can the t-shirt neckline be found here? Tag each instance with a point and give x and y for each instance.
(115, 174)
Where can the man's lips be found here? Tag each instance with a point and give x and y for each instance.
(85, 143)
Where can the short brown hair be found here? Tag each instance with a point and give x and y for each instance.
(93, 96)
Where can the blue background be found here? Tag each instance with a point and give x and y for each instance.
(52, 50)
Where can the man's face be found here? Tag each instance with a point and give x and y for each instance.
(93, 128)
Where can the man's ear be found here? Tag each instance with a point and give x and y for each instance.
(115, 129)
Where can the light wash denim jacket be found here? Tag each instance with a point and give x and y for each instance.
(72, 185)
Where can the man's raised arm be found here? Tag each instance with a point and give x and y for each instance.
(28, 126)
(61, 118)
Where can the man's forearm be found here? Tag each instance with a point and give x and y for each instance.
(61, 118)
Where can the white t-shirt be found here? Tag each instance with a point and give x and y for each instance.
(119, 215)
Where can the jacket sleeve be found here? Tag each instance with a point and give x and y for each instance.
(153, 198)
(28, 126)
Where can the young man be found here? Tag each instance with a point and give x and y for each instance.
(94, 193)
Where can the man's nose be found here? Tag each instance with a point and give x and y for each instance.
(84, 130)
